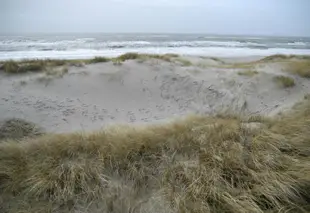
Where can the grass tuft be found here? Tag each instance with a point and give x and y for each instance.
(23, 82)
(10, 67)
(184, 62)
(276, 57)
(299, 67)
(284, 81)
(17, 129)
(248, 73)
(166, 57)
(99, 60)
(281, 57)
(128, 56)
(171, 55)
(307, 96)
(117, 63)
(31, 67)
(144, 57)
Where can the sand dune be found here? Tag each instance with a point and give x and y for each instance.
(92, 96)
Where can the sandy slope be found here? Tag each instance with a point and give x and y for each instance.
(92, 96)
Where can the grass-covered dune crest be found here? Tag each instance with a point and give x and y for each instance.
(295, 65)
(38, 65)
(196, 164)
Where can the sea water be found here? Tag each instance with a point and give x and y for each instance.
(82, 46)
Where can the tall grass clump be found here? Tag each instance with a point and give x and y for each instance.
(276, 57)
(198, 164)
(143, 57)
(166, 57)
(294, 64)
(299, 67)
(22, 67)
(248, 73)
(128, 56)
(99, 60)
(284, 81)
(32, 67)
(17, 129)
(10, 67)
(281, 57)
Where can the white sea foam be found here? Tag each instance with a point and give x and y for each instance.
(78, 46)
(207, 51)
(297, 43)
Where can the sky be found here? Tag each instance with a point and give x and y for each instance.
(240, 17)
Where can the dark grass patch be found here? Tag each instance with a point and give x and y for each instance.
(282, 57)
(22, 67)
(128, 56)
(299, 67)
(249, 73)
(10, 67)
(99, 60)
(284, 81)
(18, 128)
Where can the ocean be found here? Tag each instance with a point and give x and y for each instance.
(82, 46)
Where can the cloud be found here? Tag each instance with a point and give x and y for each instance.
(276, 17)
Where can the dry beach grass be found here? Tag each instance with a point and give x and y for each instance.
(248, 73)
(298, 65)
(40, 65)
(197, 164)
(284, 81)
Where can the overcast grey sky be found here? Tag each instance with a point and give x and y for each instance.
(250, 17)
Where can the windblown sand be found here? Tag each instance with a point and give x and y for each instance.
(95, 95)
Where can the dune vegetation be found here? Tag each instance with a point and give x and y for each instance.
(41, 65)
(99, 60)
(16, 67)
(184, 62)
(284, 81)
(248, 73)
(299, 67)
(293, 64)
(134, 56)
(281, 57)
(17, 129)
(198, 164)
